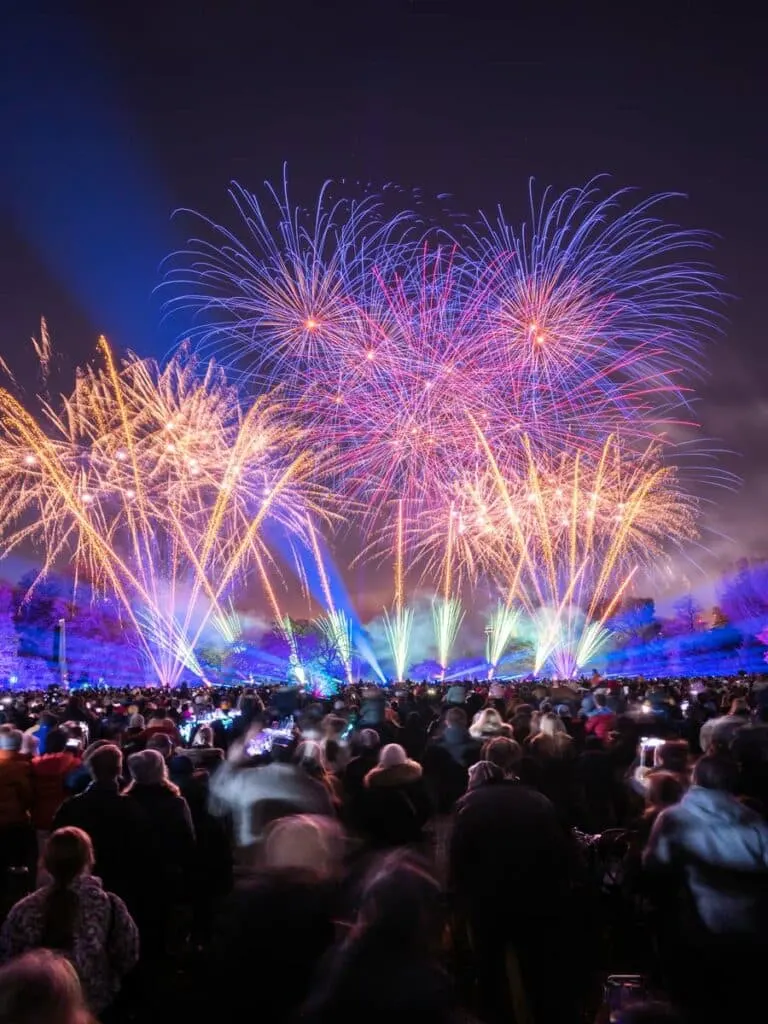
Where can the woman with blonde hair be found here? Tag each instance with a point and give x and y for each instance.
(73, 915)
(551, 740)
(311, 757)
(486, 724)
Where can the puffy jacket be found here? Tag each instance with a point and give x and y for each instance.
(721, 847)
(50, 785)
(15, 788)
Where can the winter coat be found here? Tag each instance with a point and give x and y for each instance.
(506, 839)
(600, 722)
(115, 825)
(167, 847)
(395, 805)
(15, 788)
(106, 941)
(50, 786)
(721, 848)
(446, 761)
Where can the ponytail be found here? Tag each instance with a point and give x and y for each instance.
(60, 915)
(68, 853)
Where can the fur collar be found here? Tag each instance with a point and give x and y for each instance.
(397, 775)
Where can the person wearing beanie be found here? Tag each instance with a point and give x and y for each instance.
(483, 772)
(396, 806)
(506, 834)
(17, 840)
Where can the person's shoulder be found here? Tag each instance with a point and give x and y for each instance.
(29, 905)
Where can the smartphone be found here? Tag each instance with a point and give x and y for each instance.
(623, 990)
(648, 748)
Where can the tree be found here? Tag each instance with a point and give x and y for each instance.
(9, 648)
(744, 593)
(687, 619)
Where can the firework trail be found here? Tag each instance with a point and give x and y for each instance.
(500, 631)
(336, 627)
(155, 485)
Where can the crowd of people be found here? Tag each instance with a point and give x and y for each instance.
(521, 852)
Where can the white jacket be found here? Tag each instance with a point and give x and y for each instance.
(722, 848)
(241, 792)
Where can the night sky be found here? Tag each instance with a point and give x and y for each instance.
(114, 115)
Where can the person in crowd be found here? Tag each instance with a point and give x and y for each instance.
(203, 752)
(600, 720)
(255, 792)
(17, 838)
(720, 847)
(42, 987)
(397, 806)
(311, 756)
(505, 836)
(54, 774)
(711, 852)
(163, 744)
(114, 825)
(289, 903)
(212, 866)
(552, 739)
(167, 853)
(487, 724)
(388, 966)
(447, 758)
(47, 722)
(75, 916)
(365, 755)
(161, 724)
(717, 734)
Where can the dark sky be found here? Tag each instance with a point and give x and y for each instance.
(113, 115)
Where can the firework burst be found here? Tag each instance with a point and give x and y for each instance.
(155, 484)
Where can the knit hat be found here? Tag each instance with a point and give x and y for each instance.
(147, 768)
(181, 764)
(11, 740)
(136, 721)
(392, 755)
(482, 772)
(369, 739)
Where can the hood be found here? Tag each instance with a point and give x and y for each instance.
(397, 775)
(713, 808)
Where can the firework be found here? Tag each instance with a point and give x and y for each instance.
(336, 627)
(155, 484)
(447, 616)
(284, 627)
(571, 533)
(226, 621)
(398, 628)
(388, 333)
(502, 626)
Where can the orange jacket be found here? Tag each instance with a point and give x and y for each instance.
(49, 785)
(15, 788)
